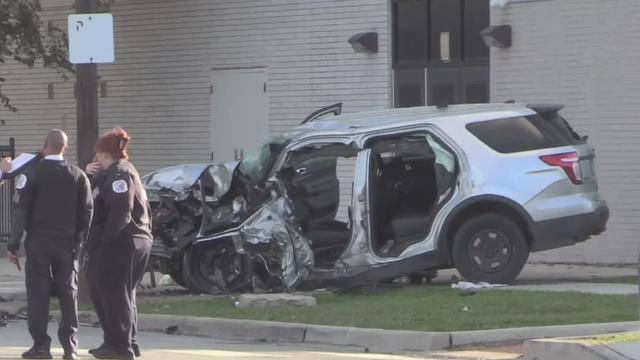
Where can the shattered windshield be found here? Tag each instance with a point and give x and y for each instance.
(256, 167)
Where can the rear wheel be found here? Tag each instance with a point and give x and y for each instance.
(215, 268)
(490, 248)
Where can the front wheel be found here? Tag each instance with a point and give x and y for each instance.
(178, 277)
(490, 248)
(215, 268)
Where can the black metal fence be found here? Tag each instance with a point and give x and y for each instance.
(6, 194)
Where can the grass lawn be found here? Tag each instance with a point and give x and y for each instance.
(427, 309)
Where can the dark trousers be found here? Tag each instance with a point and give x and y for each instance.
(48, 268)
(114, 272)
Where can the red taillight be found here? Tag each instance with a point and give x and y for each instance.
(569, 162)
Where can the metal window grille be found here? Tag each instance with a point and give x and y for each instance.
(6, 196)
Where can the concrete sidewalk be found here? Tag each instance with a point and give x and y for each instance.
(534, 277)
(12, 280)
(585, 287)
(553, 273)
(581, 349)
(379, 340)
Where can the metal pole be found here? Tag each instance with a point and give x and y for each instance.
(12, 147)
(86, 91)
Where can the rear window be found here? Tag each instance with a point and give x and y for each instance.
(525, 133)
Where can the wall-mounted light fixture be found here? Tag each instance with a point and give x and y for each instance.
(497, 36)
(365, 42)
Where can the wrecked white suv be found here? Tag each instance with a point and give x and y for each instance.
(361, 198)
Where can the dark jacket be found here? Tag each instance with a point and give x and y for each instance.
(52, 201)
(121, 206)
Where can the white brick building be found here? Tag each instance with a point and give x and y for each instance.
(168, 52)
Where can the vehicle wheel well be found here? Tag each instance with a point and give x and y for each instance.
(484, 207)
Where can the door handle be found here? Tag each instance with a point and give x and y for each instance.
(301, 171)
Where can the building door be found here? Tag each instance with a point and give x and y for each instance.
(239, 112)
(439, 56)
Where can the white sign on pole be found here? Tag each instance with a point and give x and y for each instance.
(91, 38)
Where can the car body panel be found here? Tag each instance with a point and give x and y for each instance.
(540, 194)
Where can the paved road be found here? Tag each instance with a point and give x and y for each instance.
(14, 339)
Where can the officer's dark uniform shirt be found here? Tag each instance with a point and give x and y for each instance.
(121, 206)
(52, 201)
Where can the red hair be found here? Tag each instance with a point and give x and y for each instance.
(114, 142)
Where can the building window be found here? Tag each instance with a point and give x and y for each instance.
(430, 36)
(410, 31)
(445, 19)
(409, 87)
(475, 19)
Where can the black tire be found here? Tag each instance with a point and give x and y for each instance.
(178, 277)
(215, 268)
(490, 248)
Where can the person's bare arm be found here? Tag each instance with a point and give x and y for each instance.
(5, 165)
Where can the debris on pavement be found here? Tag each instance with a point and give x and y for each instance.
(467, 288)
(261, 301)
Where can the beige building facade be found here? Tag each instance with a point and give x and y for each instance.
(172, 56)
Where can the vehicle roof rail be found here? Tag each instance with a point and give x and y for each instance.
(336, 109)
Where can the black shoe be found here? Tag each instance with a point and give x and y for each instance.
(71, 356)
(136, 349)
(96, 349)
(37, 354)
(135, 346)
(106, 353)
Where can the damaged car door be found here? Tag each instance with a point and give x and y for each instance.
(273, 240)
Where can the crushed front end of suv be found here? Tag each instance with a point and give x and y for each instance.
(361, 198)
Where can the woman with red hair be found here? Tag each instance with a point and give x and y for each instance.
(119, 245)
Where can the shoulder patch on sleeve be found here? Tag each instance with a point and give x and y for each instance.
(21, 182)
(120, 186)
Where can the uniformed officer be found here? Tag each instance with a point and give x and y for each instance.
(53, 205)
(119, 245)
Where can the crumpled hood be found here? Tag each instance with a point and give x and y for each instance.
(182, 178)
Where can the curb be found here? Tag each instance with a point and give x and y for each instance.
(566, 349)
(459, 338)
(373, 339)
(278, 332)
